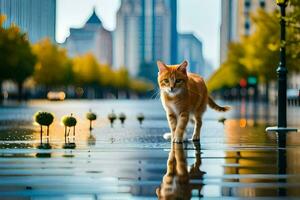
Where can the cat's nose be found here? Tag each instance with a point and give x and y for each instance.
(172, 89)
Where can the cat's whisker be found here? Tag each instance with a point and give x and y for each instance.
(155, 94)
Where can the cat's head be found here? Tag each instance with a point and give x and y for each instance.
(172, 79)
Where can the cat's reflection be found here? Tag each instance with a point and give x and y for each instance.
(178, 181)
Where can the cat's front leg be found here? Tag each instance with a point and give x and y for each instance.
(197, 128)
(172, 120)
(182, 122)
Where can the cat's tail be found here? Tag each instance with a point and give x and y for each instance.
(216, 107)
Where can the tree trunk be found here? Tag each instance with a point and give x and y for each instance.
(47, 89)
(20, 91)
(41, 136)
(267, 85)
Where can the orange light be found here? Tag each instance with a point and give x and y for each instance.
(243, 123)
(56, 96)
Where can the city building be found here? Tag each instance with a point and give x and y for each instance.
(190, 49)
(235, 20)
(92, 38)
(146, 31)
(208, 69)
(35, 17)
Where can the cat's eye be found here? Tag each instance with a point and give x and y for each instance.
(166, 80)
(179, 80)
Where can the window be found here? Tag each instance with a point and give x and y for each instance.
(247, 26)
(262, 3)
(247, 3)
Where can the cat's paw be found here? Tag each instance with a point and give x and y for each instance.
(167, 136)
(177, 140)
(196, 138)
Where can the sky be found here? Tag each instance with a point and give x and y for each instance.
(200, 17)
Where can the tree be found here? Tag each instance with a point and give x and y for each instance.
(17, 58)
(140, 86)
(4, 49)
(231, 71)
(106, 75)
(262, 48)
(293, 35)
(121, 78)
(86, 70)
(53, 68)
(258, 53)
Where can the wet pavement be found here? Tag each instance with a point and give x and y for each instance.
(235, 159)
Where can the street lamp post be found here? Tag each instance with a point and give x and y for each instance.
(282, 77)
(281, 70)
(281, 128)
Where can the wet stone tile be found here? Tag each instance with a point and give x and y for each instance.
(133, 161)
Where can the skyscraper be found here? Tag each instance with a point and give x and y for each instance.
(190, 49)
(235, 20)
(228, 26)
(35, 17)
(93, 38)
(146, 31)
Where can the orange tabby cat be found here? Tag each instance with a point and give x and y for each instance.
(183, 94)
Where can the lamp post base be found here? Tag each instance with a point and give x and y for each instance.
(280, 129)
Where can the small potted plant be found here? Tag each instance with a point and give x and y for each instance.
(91, 117)
(140, 117)
(44, 119)
(112, 117)
(122, 118)
(69, 122)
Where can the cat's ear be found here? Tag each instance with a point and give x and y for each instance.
(182, 67)
(161, 66)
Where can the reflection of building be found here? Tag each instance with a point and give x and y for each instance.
(92, 37)
(35, 17)
(235, 20)
(190, 49)
(249, 165)
(146, 31)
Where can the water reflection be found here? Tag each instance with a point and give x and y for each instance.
(244, 132)
(43, 155)
(239, 158)
(177, 183)
(292, 167)
(263, 171)
(91, 139)
(251, 173)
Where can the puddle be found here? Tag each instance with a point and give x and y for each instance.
(234, 159)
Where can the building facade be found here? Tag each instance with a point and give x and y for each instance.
(35, 17)
(91, 38)
(235, 20)
(190, 49)
(146, 31)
